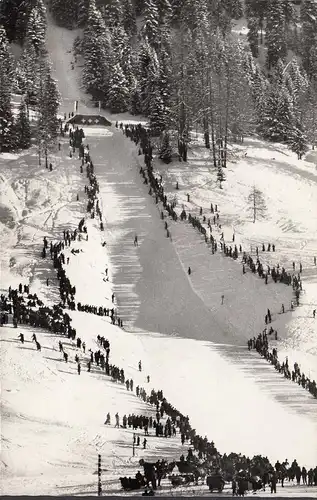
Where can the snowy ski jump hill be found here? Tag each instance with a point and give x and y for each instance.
(191, 346)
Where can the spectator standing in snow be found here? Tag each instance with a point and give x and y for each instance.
(269, 316)
(140, 366)
(117, 420)
(273, 482)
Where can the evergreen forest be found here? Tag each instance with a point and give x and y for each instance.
(180, 63)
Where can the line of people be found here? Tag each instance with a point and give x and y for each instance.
(141, 137)
(260, 344)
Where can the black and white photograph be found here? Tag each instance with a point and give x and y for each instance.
(158, 248)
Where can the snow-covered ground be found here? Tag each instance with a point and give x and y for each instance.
(289, 187)
(35, 202)
(52, 419)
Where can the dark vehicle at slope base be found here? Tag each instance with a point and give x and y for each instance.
(129, 483)
(181, 479)
(185, 467)
(215, 482)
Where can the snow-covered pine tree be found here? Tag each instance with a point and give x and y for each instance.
(24, 17)
(308, 18)
(256, 9)
(192, 13)
(22, 127)
(164, 11)
(278, 116)
(233, 8)
(36, 28)
(259, 86)
(222, 12)
(259, 89)
(309, 116)
(158, 116)
(98, 55)
(48, 103)
(176, 6)
(253, 35)
(147, 72)
(135, 105)
(150, 28)
(129, 17)
(6, 81)
(275, 38)
(122, 52)
(119, 93)
(242, 114)
(9, 13)
(165, 70)
(26, 74)
(298, 141)
(165, 153)
(52, 100)
(113, 13)
(83, 8)
(297, 83)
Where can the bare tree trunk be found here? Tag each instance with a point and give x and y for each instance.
(213, 140)
(227, 119)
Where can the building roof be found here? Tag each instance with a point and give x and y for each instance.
(86, 120)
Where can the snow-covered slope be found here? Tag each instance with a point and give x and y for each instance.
(52, 418)
(289, 188)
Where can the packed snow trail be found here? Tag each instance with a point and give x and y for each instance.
(152, 277)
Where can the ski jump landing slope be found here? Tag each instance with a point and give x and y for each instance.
(52, 419)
